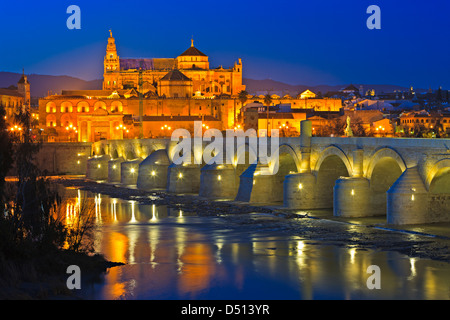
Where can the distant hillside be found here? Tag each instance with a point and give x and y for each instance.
(41, 84)
(254, 86)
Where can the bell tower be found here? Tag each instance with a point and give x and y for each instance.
(23, 87)
(111, 65)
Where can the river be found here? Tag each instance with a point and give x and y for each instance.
(171, 254)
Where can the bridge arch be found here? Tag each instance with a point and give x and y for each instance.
(333, 163)
(383, 154)
(288, 160)
(333, 151)
(438, 178)
(385, 166)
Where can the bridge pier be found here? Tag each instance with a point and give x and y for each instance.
(129, 171)
(218, 181)
(351, 197)
(153, 171)
(408, 199)
(97, 167)
(183, 178)
(114, 168)
(256, 185)
(299, 191)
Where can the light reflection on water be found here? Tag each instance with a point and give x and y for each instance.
(170, 254)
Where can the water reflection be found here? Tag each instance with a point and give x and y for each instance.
(170, 254)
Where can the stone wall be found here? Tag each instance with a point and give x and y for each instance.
(62, 158)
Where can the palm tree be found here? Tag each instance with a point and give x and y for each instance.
(242, 96)
(267, 102)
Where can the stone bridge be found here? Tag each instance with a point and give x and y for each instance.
(408, 180)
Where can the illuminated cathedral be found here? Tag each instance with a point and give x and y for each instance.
(185, 76)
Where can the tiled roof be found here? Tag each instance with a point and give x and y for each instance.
(175, 75)
(147, 63)
(9, 92)
(193, 51)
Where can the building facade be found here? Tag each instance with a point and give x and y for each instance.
(145, 74)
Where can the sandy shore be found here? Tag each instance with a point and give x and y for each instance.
(425, 241)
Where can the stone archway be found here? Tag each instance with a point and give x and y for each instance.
(384, 168)
(332, 166)
(438, 177)
(337, 152)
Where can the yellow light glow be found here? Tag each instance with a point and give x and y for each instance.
(153, 173)
(78, 162)
(132, 170)
(412, 197)
(99, 166)
(353, 192)
(180, 175)
(114, 166)
(219, 177)
(300, 186)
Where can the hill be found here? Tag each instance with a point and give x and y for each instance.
(255, 86)
(41, 85)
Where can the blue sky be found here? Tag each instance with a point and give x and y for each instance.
(297, 42)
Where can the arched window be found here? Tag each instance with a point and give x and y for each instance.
(99, 104)
(116, 106)
(50, 107)
(83, 106)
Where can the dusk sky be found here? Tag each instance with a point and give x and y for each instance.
(297, 42)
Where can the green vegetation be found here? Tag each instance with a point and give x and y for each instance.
(36, 246)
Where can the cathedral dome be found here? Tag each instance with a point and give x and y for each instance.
(193, 51)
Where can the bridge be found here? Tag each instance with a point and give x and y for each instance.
(407, 180)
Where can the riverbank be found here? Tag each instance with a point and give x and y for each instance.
(43, 275)
(424, 241)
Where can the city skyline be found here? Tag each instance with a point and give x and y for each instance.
(295, 43)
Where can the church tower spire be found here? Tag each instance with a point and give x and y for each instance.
(23, 87)
(111, 65)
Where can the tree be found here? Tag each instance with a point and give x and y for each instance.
(358, 128)
(6, 156)
(336, 127)
(242, 96)
(267, 103)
